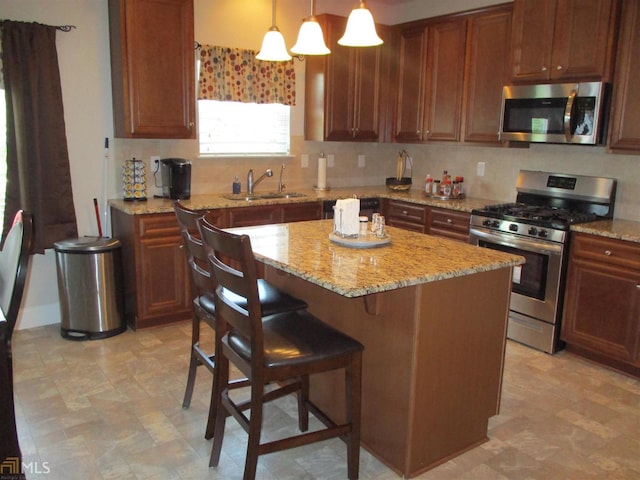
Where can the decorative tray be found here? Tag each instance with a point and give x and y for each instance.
(368, 241)
(444, 197)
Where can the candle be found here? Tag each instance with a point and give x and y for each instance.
(322, 172)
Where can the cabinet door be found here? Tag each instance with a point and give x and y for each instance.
(532, 37)
(153, 68)
(260, 215)
(409, 116)
(368, 84)
(602, 310)
(163, 288)
(299, 212)
(445, 77)
(486, 72)
(625, 128)
(339, 84)
(583, 39)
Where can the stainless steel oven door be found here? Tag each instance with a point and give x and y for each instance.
(536, 284)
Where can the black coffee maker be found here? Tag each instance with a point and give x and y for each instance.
(175, 174)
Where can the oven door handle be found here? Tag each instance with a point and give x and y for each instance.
(512, 241)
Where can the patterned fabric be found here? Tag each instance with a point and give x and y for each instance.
(235, 75)
(1, 67)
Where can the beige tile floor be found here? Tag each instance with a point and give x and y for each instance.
(111, 409)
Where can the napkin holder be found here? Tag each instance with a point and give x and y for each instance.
(346, 218)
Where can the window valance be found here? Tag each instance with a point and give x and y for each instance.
(235, 75)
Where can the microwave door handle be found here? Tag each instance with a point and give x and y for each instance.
(568, 111)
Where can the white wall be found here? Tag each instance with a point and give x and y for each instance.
(85, 71)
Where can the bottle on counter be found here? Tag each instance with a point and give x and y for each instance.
(460, 181)
(428, 185)
(236, 186)
(445, 185)
(436, 187)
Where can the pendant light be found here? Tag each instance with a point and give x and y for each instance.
(273, 47)
(310, 38)
(361, 29)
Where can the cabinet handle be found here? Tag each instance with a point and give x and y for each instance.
(191, 125)
(404, 212)
(544, 68)
(559, 67)
(607, 253)
(449, 221)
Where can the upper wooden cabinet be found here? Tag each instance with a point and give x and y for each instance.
(625, 128)
(486, 72)
(563, 40)
(430, 81)
(450, 74)
(345, 90)
(152, 68)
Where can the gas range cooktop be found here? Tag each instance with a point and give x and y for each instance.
(548, 204)
(543, 216)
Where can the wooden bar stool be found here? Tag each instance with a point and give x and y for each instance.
(283, 349)
(271, 299)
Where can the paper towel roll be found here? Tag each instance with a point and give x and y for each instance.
(322, 172)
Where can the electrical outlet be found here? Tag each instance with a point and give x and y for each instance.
(155, 162)
(330, 161)
(361, 161)
(304, 160)
(480, 169)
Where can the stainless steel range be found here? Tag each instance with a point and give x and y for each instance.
(536, 227)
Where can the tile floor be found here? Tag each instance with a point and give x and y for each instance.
(111, 409)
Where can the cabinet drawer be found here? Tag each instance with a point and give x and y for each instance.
(449, 223)
(406, 212)
(159, 225)
(606, 250)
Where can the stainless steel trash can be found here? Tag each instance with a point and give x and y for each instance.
(90, 287)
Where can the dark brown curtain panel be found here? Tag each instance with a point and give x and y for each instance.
(38, 175)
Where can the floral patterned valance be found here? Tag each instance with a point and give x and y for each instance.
(235, 75)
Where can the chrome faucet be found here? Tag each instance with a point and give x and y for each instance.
(281, 186)
(251, 184)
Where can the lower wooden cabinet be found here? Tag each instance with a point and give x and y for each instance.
(450, 224)
(602, 302)
(409, 216)
(157, 286)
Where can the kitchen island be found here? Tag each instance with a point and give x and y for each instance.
(432, 315)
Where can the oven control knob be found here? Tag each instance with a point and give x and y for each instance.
(513, 227)
(543, 233)
(487, 222)
(533, 231)
(495, 223)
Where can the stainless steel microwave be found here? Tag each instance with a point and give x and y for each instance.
(554, 113)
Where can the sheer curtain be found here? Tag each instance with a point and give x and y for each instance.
(38, 174)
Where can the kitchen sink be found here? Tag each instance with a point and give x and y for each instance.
(247, 197)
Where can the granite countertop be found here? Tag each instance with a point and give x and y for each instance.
(627, 230)
(217, 200)
(304, 250)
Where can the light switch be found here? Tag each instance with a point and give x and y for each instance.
(361, 161)
(480, 170)
(330, 160)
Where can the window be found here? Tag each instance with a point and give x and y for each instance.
(236, 128)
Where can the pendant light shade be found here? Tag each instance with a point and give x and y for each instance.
(273, 46)
(361, 29)
(310, 38)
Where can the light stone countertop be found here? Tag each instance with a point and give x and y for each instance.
(627, 230)
(304, 250)
(217, 200)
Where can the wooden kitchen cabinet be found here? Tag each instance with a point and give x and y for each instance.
(450, 224)
(156, 279)
(625, 128)
(430, 81)
(346, 90)
(486, 72)
(280, 213)
(152, 68)
(563, 40)
(409, 216)
(602, 302)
